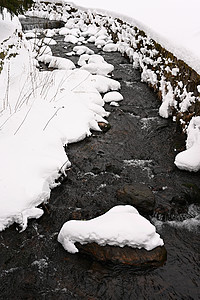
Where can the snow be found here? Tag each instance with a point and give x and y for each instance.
(57, 62)
(98, 68)
(121, 225)
(190, 158)
(111, 47)
(8, 25)
(113, 96)
(175, 24)
(79, 50)
(41, 113)
(71, 39)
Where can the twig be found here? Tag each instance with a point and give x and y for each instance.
(52, 117)
(81, 82)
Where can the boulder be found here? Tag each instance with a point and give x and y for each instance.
(139, 196)
(125, 255)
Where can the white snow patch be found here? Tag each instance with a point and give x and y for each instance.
(57, 62)
(113, 96)
(111, 47)
(79, 50)
(190, 158)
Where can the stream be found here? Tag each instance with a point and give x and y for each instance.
(139, 147)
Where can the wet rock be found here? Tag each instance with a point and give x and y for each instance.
(139, 196)
(104, 126)
(175, 210)
(126, 255)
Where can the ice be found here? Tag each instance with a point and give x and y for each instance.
(121, 226)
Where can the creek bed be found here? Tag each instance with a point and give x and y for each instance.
(140, 147)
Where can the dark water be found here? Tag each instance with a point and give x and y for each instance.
(139, 147)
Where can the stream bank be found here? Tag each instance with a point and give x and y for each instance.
(139, 148)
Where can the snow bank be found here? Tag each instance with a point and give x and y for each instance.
(8, 25)
(175, 24)
(120, 226)
(190, 158)
(42, 112)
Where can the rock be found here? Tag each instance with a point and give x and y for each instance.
(104, 126)
(125, 255)
(139, 196)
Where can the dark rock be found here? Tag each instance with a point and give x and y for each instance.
(173, 212)
(104, 126)
(139, 196)
(126, 255)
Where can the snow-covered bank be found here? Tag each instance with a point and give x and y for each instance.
(120, 226)
(41, 112)
(176, 83)
(174, 25)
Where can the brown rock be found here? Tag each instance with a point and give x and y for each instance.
(104, 126)
(139, 196)
(125, 255)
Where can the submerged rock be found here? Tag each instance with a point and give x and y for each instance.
(125, 255)
(138, 195)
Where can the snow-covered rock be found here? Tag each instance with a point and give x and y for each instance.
(111, 47)
(104, 84)
(120, 226)
(71, 39)
(190, 158)
(57, 62)
(98, 68)
(79, 50)
(113, 96)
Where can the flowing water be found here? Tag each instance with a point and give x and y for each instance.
(139, 147)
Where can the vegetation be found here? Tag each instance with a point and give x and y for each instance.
(15, 6)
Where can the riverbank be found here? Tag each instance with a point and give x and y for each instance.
(139, 147)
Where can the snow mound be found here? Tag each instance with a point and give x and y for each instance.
(95, 64)
(79, 50)
(190, 158)
(104, 84)
(57, 62)
(111, 47)
(120, 226)
(71, 39)
(98, 68)
(112, 96)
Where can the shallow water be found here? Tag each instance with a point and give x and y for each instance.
(139, 147)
